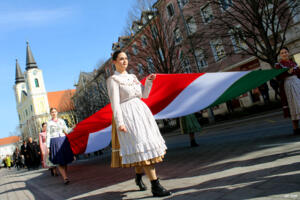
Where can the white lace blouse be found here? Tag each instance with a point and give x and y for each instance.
(55, 129)
(123, 87)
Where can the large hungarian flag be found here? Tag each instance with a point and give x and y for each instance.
(172, 95)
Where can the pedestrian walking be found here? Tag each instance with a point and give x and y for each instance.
(190, 125)
(58, 145)
(264, 91)
(17, 158)
(290, 88)
(46, 163)
(275, 85)
(33, 152)
(25, 154)
(8, 161)
(137, 141)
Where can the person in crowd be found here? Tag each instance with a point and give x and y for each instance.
(46, 163)
(8, 161)
(190, 125)
(289, 85)
(58, 145)
(17, 158)
(135, 131)
(34, 152)
(275, 85)
(264, 91)
(25, 155)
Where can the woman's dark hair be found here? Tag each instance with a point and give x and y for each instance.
(52, 109)
(115, 54)
(44, 123)
(284, 48)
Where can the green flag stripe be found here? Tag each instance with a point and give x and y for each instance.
(244, 84)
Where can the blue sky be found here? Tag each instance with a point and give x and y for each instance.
(66, 37)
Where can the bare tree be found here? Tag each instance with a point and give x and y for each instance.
(251, 27)
(135, 12)
(161, 47)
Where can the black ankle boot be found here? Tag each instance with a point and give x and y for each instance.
(158, 190)
(194, 143)
(139, 182)
(297, 131)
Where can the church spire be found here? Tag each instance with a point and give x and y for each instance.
(19, 75)
(30, 62)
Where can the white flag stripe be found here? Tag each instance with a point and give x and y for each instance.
(98, 140)
(201, 93)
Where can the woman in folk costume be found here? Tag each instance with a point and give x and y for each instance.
(290, 88)
(135, 131)
(58, 145)
(190, 125)
(44, 151)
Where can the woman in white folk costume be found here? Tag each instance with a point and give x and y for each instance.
(289, 86)
(59, 148)
(140, 142)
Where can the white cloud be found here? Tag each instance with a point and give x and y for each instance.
(18, 19)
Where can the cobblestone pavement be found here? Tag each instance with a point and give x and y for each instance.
(248, 159)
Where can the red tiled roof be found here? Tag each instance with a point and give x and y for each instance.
(9, 140)
(61, 100)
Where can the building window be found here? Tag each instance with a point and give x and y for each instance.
(150, 64)
(127, 54)
(177, 36)
(225, 4)
(207, 13)
(161, 55)
(144, 41)
(154, 31)
(107, 72)
(236, 36)
(182, 3)
(170, 10)
(113, 67)
(185, 63)
(140, 69)
(191, 25)
(26, 112)
(200, 57)
(218, 49)
(31, 108)
(36, 81)
(131, 71)
(135, 49)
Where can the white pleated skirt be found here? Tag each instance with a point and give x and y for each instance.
(292, 90)
(143, 140)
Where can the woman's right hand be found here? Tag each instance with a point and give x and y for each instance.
(48, 150)
(291, 70)
(122, 128)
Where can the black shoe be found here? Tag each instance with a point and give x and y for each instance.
(297, 131)
(194, 143)
(66, 181)
(139, 182)
(158, 190)
(52, 173)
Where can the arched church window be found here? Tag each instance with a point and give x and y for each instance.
(36, 81)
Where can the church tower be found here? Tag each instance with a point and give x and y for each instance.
(20, 85)
(31, 97)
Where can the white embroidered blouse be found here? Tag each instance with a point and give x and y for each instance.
(123, 87)
(55, 129)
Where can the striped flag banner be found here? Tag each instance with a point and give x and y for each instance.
(172, 95)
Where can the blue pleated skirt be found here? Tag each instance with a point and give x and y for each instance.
(60, 151)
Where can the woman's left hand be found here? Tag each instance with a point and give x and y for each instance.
(151, 77)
